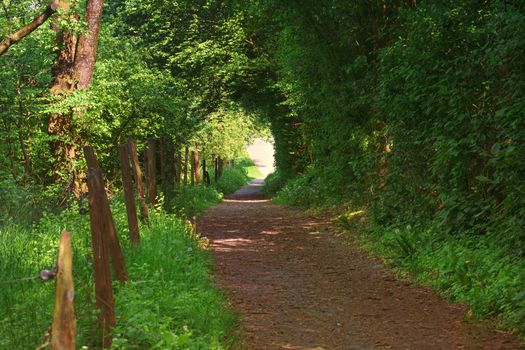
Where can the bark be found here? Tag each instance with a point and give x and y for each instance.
(152, 171)
(73, 69)
(178, 167)
(132, 149)
(162, 153)
(185, 171)
(192, 164)
(88, 43)
(27, 29)
(129, 198)
(171, 164)
(196, 164)
(59, 124)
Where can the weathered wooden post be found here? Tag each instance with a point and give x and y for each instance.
(152, 170)
(196, 164)
(186, 151)
(63, 330)
(132, 149)
(129, 198)
(105, 245)
(103, 288)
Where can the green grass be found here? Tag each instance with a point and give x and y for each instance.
(169, 302)
(252, 171)
(237, 176)
(481, 271)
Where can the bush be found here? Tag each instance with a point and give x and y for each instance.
(232, 179)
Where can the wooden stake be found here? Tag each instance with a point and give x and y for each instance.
(102, 223)
(152, 170)
(64, 326)
(103, 288)
(129, 198)
(132, 149)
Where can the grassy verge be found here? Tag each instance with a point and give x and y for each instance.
(190, 201)
(486, 271)
(170, 301)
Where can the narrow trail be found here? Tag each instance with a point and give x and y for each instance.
(296, 285)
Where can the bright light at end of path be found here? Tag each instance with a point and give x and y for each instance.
(262, 154)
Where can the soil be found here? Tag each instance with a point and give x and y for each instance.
(297, 285)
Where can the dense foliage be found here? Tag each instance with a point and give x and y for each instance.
(415, 113)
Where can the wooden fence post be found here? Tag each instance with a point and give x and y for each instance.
(105, 245)
(129, 198)
(63, 330)
(152, 170)
(132, 149)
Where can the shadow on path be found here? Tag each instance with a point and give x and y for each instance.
(296, 285)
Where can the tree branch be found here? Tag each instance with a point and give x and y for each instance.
(28, 29)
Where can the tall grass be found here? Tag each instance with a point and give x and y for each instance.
(168, 303)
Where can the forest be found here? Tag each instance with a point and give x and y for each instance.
(404, 120)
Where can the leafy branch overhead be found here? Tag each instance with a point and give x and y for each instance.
(15, 37)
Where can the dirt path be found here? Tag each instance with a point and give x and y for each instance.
(297, 286)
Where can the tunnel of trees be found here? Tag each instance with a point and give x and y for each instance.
(411, 111)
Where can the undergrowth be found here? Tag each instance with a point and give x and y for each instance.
(169, 301)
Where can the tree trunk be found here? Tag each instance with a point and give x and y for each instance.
(73, 69)
(129, 198)
(196, 164)
(171, 164)
(178, 167)
(88, 43)
(186, 151)
(132, 149)
(152, 170)
(192, 164)
(162, 152)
